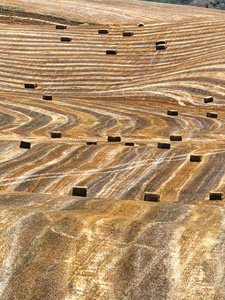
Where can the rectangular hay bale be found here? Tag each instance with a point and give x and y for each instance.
(128, 33)
(111, 52)
(25, 145)
(164, 145)
(61, 27)
(196, 158)
(161, 47)
(216, 196)
(66, 39)
(56, 135)
(175, 138)
(103, 31)
(45, 97)
(211, 115)
(114, 139)
(151, 197)
(161, 42)
(208, 99)
(30, 85)
(79, 191)
(172, 112)
(91, 143)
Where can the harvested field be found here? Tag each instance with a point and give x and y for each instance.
(112, 244)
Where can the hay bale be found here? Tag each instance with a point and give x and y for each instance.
(25, 145)
(211, 115)
(164, 145)
(56, 135)
(161, 42)
(161, 47)
(103, 31)
(30, 85)
(111, 52)
(151, 197)
(141, 25)
(79, 191)
(128, 33)
(208, 99)
(196, 158)
(45, 97)
(61, 27)
(66, 39)
(172, 112)
(175, 138)
(91, 143)
(216, 196)
(129, 144)
(114, 139)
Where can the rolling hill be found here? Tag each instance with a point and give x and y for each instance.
(111, 244)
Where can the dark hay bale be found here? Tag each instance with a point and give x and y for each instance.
(114, 139)
(91, 143)
(196, 158)
(161, 47)
(111, 52)
(30, 85)
(151, 197)
(128, 33)
(211, 115)
(66, 39)
(164, 145)
(129, 144)
(80, 191)
(47, 97)
(103, 31)
(216, 196)
(160, 43)
(176, 138)
(208, 99)
(56, 135)
(172, 113)
(25, 145)
(61, 27)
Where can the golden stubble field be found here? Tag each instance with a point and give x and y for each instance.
(112, 244)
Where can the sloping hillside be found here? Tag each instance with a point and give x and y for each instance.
(115, 11)
(112, 244)
(62, 248)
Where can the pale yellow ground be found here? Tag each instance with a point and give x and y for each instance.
(115, 11)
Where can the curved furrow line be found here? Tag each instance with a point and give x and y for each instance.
(115, 184)
(35, 118)
(126, 183)
(113, 30)
(14, 175)
(99, 61)
(204, 181)
(73, 170)
(130, 122)
(94, 66)
(60, 116)
(50, 179)
(23, 157)
(105, 158)
(9, 151)
(29, 177)
(15, 117)
(147, 118)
